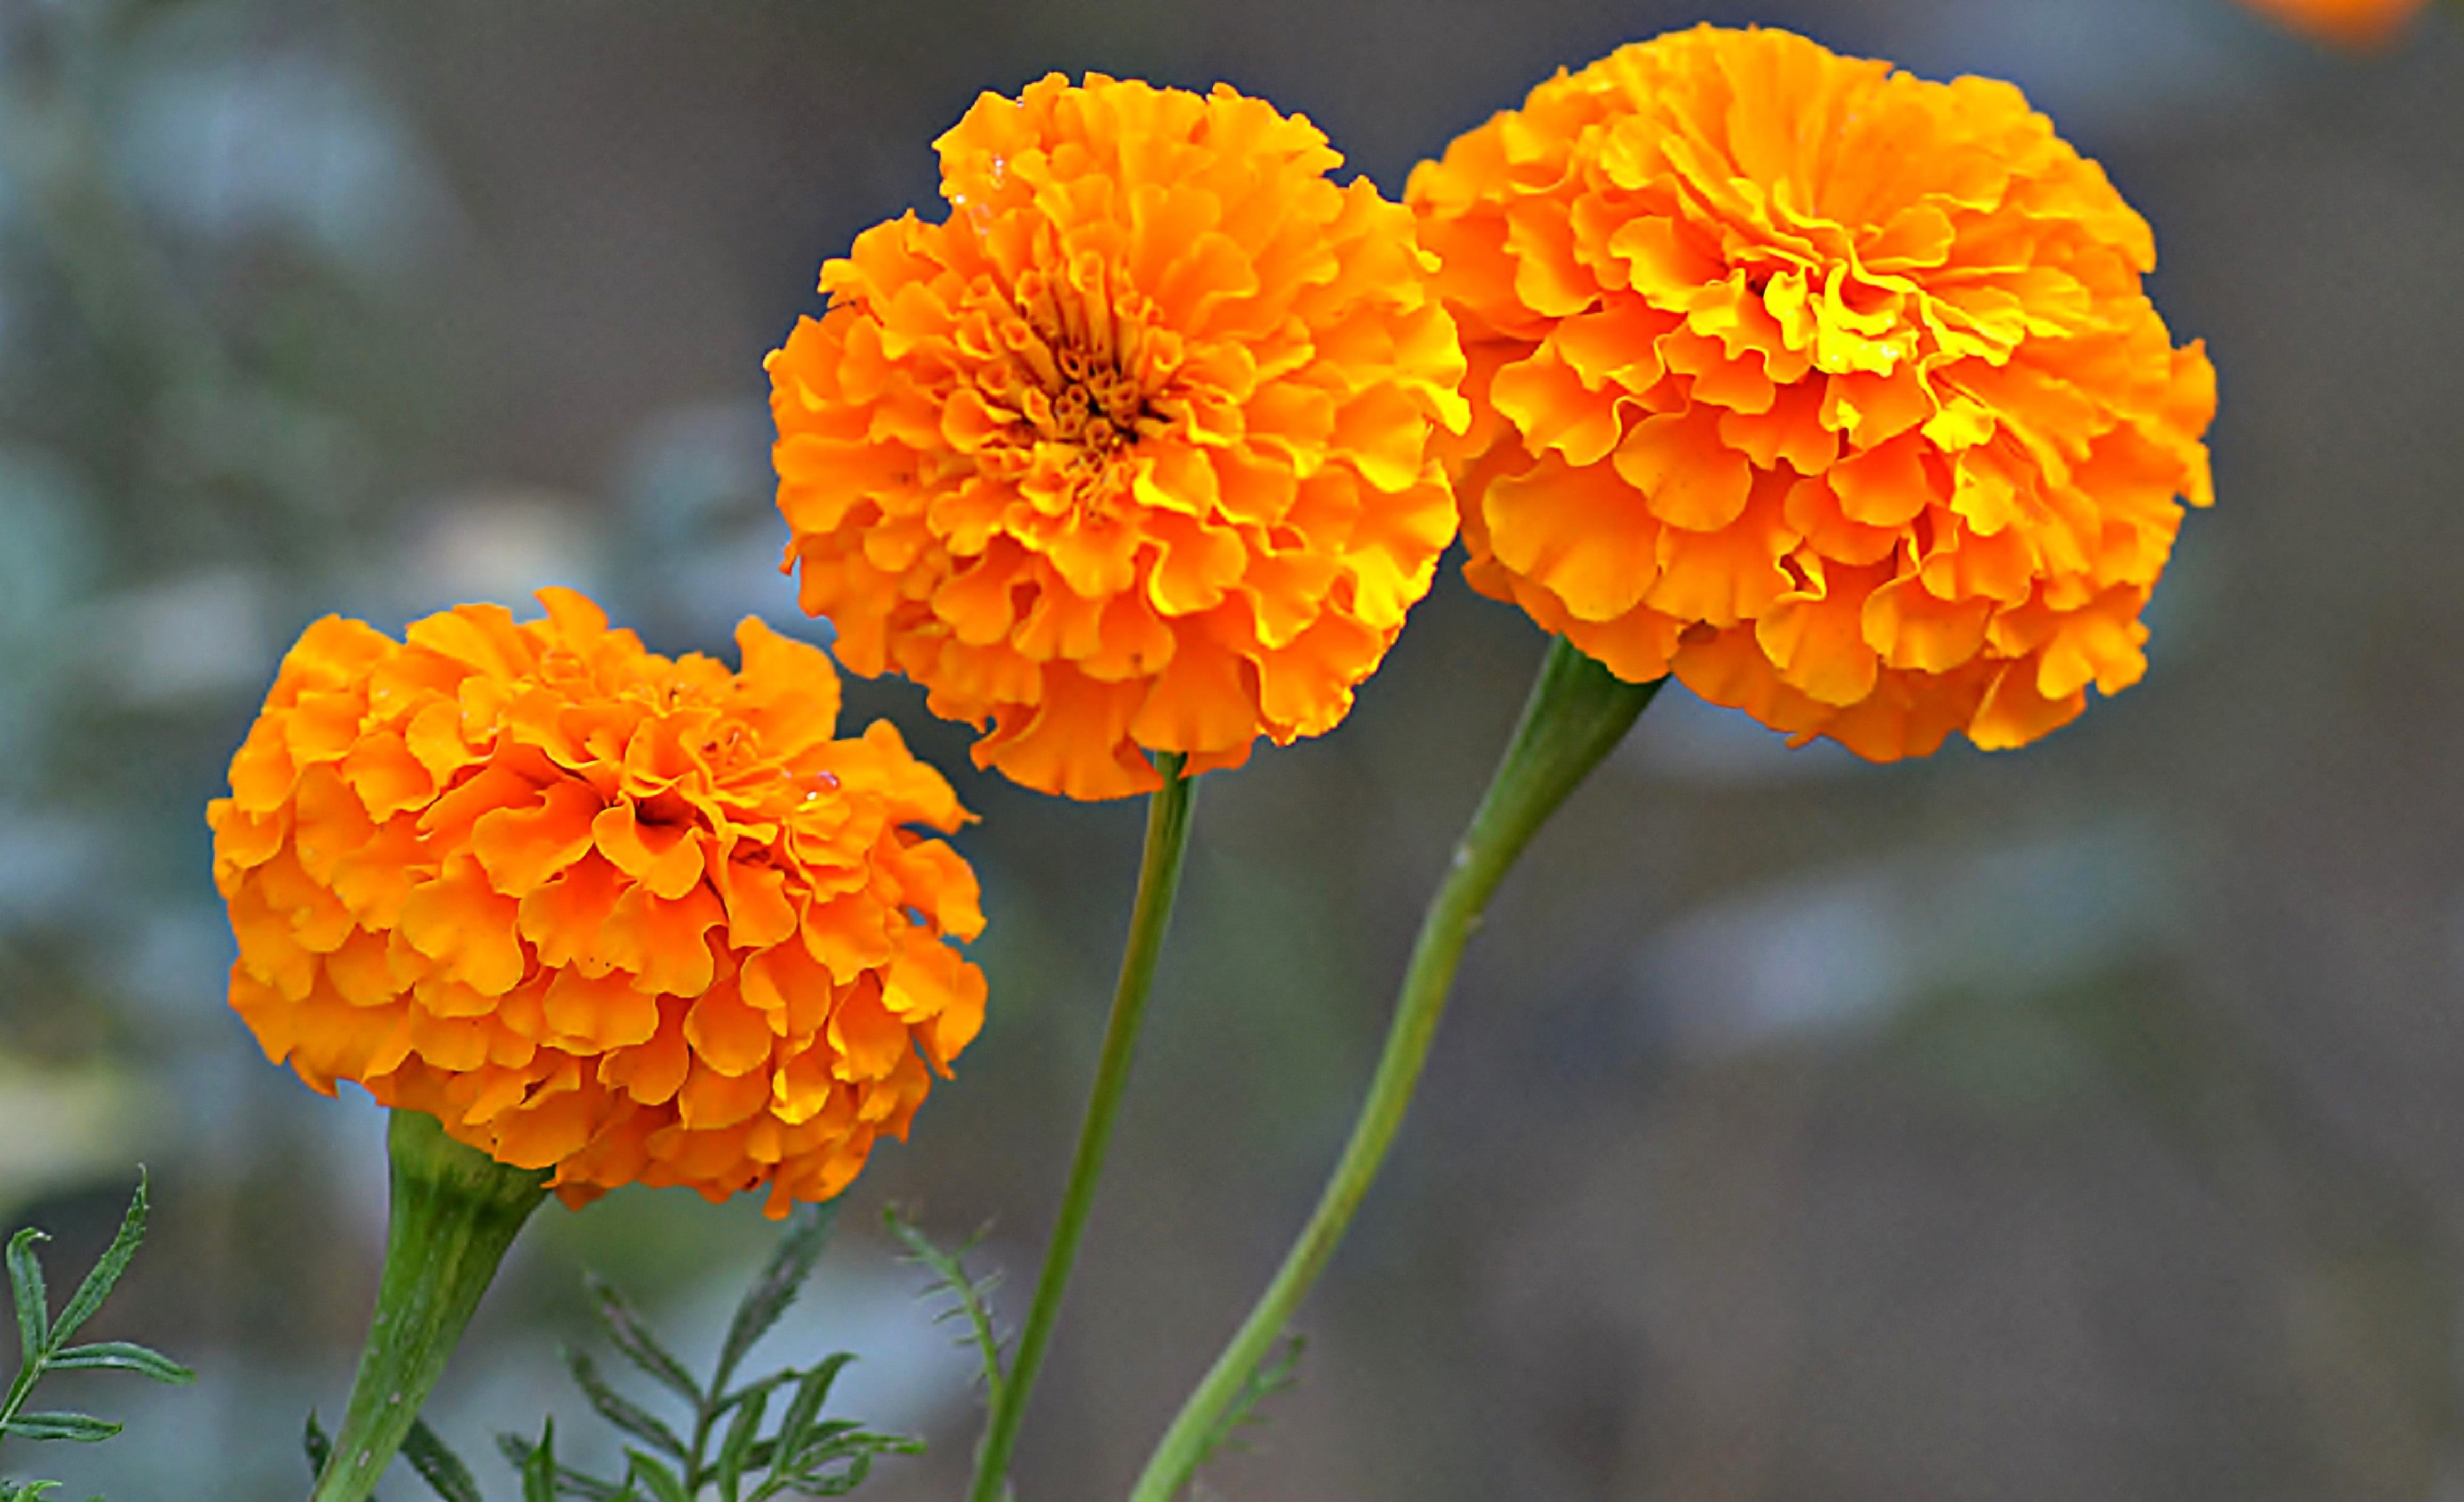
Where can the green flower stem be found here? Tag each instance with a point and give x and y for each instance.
(1577, 713)
(455, 1210)
(1168, 813)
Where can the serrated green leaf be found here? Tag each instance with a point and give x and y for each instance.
(618, 1409)
(664, 1485)
(736, 1452)
(538, 1470)
(105, 1275)
(82, 1427)
(859, 1467)
(837, 1443)
(970, 1296)
(438, 1466)
(120, 1355)
(760, 1387)
(796, 1426)
(521, 1453)
(319, 1446)
(840, 1486)
(790, 1264)
(33, 1302)
(572, 1482)
(636, 1343)
(1271, 1377)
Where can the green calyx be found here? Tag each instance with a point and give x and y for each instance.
(455, 1212)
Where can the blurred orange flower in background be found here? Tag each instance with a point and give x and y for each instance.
(1131, 454)
(633, 919)
(1831, 389)
(2348, 23)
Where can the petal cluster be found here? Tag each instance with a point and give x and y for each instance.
(1130, 452)
(631, 917)
(1831, 389)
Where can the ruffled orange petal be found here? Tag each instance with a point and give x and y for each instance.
(595, 909)
(1835, 388)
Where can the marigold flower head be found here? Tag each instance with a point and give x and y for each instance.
(631, 917)
(1830, 387)
(2348, 23)
(1130, 452)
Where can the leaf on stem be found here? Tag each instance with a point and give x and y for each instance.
(120, 1355)
(438, 1466)
(105, 1275)
(521, 1454)
(804, 1410)
(319, 1445)
(790, 1265)
(33, 1307)
(83, 1428)
(970, 1296)
(636, 1344)
(661, 1484)
(1276, 1375)
(40, 1341)
(618, 1409)
(803, 1456)
(538, 1470)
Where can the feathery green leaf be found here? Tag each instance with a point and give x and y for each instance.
(790, 1264)
(120, 1355)
(971, 1296)
(319, 1446)
(736, 1452)
(104, 1274)
(1274, 1376)
(538, 1471)
(438, 1466)
(617, 1408)
(83, 1428)
(33, 1307)
(663, 1483)
(636, 1344)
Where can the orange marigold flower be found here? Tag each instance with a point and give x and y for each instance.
(1830, 387)
(1130, 451)
(2348, 23)
(631, 917)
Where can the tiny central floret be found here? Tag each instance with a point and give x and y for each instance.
(1072, 378)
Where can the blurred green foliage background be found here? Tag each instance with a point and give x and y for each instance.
(2081, 1122)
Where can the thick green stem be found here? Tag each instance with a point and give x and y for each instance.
(455, 1210)
(1577, 713)
(1159, 879)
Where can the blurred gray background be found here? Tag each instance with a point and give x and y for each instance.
(2086, 1122)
